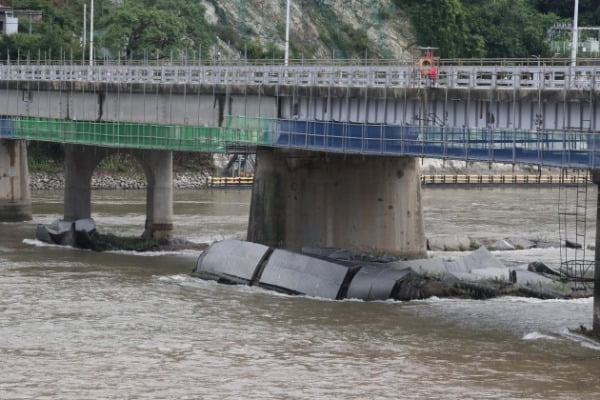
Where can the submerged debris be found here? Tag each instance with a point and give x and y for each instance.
(339, 274)
(83, 234)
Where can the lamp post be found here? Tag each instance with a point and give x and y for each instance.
(92, 32)
(287, 34)
(575, 38)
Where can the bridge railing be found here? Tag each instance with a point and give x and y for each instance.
(525, 76)
(551, 148)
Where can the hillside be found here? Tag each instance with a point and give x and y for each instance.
(255, 29)
(320, 29)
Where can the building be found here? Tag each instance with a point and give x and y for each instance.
(9, 24)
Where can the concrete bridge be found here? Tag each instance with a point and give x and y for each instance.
(331, 140)
(336, 144)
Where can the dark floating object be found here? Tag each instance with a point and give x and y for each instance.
(572, 245)
(239, 262)
(68, 233)
(336, 274)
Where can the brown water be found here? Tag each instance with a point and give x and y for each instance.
(76, 324)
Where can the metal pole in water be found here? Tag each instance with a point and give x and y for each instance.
(596, 307)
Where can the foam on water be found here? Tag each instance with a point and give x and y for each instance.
(538, 336)
(582, 340)
(39, 243)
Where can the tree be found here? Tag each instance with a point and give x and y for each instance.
(445, 24)
(589, 10)
(136, 27)
(510, 28)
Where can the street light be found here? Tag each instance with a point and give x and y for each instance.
(287, 34)
(575, 38)
(92, 32)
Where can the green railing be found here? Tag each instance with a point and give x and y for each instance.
(236, 131)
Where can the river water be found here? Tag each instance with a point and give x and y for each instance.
(81, 325)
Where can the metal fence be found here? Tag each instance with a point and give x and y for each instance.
(560, 149)
(500, 76)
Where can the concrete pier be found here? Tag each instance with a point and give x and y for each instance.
(312, 199)
(15, 197)
(80, 162)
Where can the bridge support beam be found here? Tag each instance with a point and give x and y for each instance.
(15, 196)
(80, 162)
(159, 197)
(361, 203)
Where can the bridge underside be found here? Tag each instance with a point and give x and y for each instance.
(80, 162)
(547, 126)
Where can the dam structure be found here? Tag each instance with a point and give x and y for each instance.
(337, 144)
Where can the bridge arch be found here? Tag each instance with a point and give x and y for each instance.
(80, 163)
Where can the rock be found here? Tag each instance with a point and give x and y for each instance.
(449, 243)
(541, 268)
(85, 225)
(481, 258)
(501, 245)
(429, 266)
(62, 233)
(42, 234)
(572, 245)
(520, 243)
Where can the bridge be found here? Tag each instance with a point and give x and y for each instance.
(544, 115)
(336, 144)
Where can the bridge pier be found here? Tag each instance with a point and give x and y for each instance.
(80, 162)
(357, 202)
(15, 196)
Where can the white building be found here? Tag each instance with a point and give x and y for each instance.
(9, 24)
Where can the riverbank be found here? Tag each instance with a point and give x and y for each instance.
(56, 181)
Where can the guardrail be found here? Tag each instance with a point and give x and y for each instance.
(221, 181)
(404, 76)
(503, 179)
(227, 181)
(544, 148)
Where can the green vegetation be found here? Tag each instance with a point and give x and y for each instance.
(494, 28)
(149, 29)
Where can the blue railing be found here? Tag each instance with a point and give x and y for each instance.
(560, 149)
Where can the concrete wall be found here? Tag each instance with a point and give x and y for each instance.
(474, 108)
(15, 197)
(144, 105)
(364, 203)
(207, 105)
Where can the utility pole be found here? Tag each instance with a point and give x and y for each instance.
(92, 32)
(84, 39)
(287, 34)
(575, 38)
